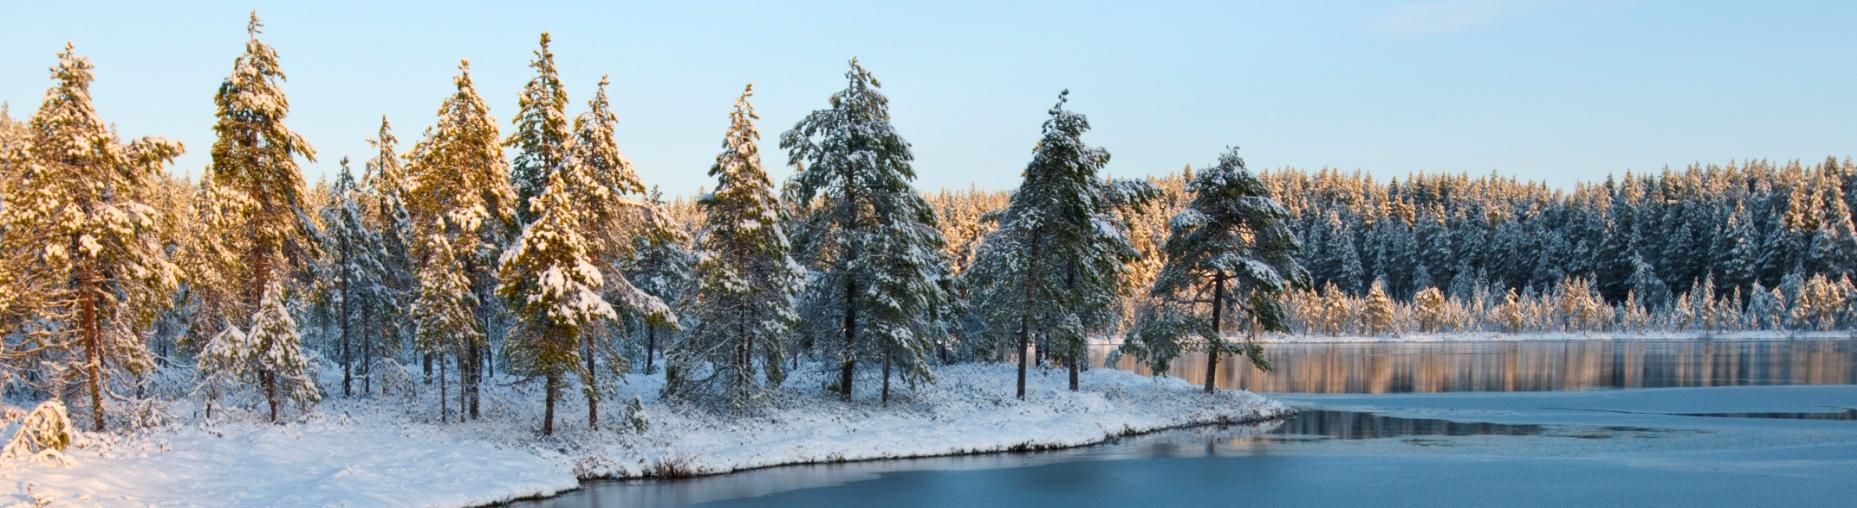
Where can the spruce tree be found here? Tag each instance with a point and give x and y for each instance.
(744, 297)
(880, 288)
(460, 190)
(661, 265)
(612, 211)
(384, 326)
(83, 259)
(1377, 311)
(442, 311)
(549, 280)
(358, 268)
(1232, 250)
(254, 162)
(541, 138)
(277, 354)
(1054, 266)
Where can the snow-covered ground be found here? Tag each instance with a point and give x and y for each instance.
(391, 452)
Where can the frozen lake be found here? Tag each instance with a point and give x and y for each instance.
(1685, 423)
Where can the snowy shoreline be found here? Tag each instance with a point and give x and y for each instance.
(389, 452)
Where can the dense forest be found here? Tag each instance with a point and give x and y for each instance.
(531, 250)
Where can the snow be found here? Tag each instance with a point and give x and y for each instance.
(388, 451)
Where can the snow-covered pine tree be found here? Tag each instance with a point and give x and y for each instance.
(220, 365)
(254, 160)
(1377, 311)
(1431, 309)
(1055, 264)
(1340, 261)
(613, 211)
(549, 280)
(1645, 283)
(881, 288)
(442, 312)
(1765, 311)
(460, 189)
(1738, 265)
(357, 269)
(1833, 250)
(744, 297)
(1231, 249)
(1511, 315)
(385, 327)
(660, 265)
(277, 354)
(82, 250)
(541, 138)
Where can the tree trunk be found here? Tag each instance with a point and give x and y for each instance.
(548, 407)
(848, 361)
(593, 379)
(428, 367)
(443, 398)
(367, 351)
(1025, 354)
(1025, 312)
(468, 388)
(886, 379)
(1073, 371)
(464, 384)
(93, 346)
(651, 348)
(347, 356)
(270, 392)
(1217, 341)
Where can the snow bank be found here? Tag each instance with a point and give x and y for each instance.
(391, 452)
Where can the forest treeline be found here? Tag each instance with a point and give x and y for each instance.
(532, 250)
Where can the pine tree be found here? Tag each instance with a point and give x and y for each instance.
(220, 365)
(460, 190)
(1738, 266)
(254, 162)
(1377, 311)
(549, 280)
(82, 251)
(612, 211)
(442, 312)
(1232, 249)
(744, 297)
(1432, 310)
(358, 268)
(1510, 314)
(1833, 250)
(1765, 310)
(661, 265)
(541, 139)
(880, 287)
(1645, 283)
(277, 354)
(384, 325)
(1055, 264)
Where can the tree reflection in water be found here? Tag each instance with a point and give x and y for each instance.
(1426, 367)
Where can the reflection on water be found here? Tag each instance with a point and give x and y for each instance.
(1356, 425)
(1403, 367)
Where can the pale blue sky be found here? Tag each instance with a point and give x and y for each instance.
(1553, 90)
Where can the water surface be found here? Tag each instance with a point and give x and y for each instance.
(1548, 423)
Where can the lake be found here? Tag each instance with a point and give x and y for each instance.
(1529, 423)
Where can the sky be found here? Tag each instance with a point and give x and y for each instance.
(1558, 91)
